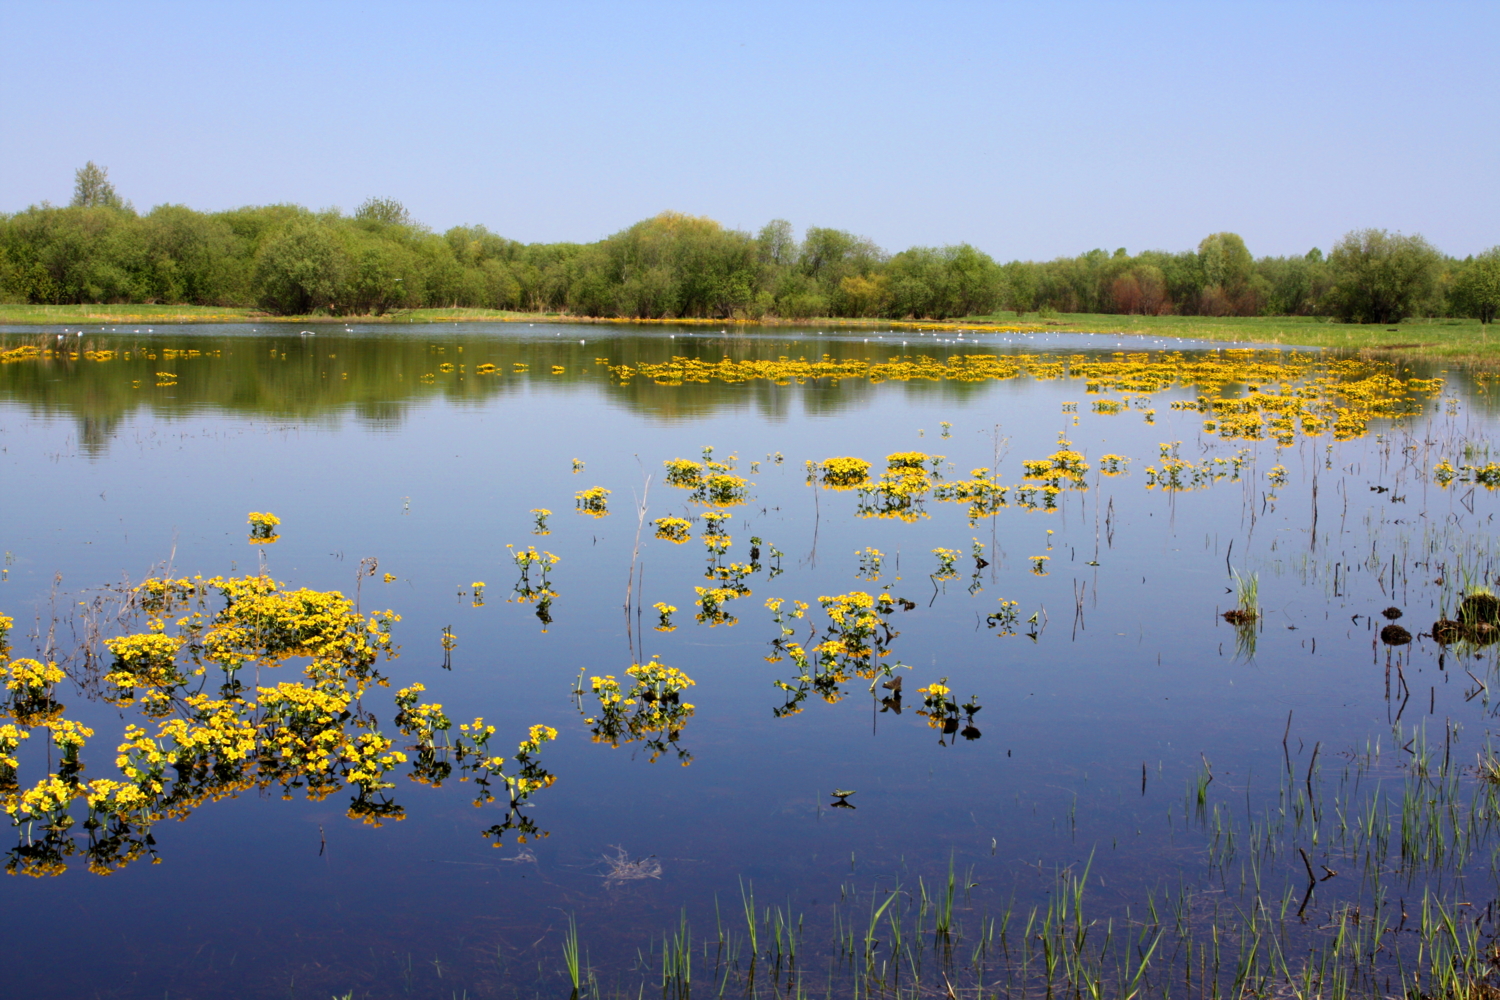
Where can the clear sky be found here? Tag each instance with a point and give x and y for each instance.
(1028, 129)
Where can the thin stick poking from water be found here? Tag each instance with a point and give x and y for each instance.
(634, 558)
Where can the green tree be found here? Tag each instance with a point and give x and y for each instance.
(776, 246)
(1381, 278)
(383, 212)
(92, 189)
(1476, 289)
(828, 256)
(1020, 286)
(302, 269)
(1227, 267)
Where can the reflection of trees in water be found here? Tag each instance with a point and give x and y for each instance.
(378, 378)
(95, 431)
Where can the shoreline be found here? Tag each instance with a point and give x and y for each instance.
(1461, 341)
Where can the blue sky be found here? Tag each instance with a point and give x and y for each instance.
(1028, 129)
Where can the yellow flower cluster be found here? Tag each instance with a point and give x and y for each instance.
(902, 487)
(1113, 465)
(540, 515)
(854, 643)
(1285, 393)
(208, 744)
(593, 501)
(650, 710)
(673, 529)
(263, 528)
(1175, 474)
(946, 559)
(714, 484)
(942, 711)
(1064, 468)
(1487, 475)
(843, 473)
(528, 557)
(711, 604)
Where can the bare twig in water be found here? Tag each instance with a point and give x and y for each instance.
(634, 557)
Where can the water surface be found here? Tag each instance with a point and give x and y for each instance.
(427, 449)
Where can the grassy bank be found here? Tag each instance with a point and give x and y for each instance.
(1457, 339)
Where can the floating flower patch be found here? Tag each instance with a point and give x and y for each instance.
(1004, 620)
(901, 489)
(593, 501)
(263, 528)
(1064, 468)
(673, 529)
(1175, 474)
(984, 496)
(204, 736)
(1488, 475)
(840, 473)
(946, 560)
(854, 643)
(711, 601)
(538, 590)
(943, 712)
(649, 710)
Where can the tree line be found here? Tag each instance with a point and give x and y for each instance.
(293, 261)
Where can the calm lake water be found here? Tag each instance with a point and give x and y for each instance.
(1119, 691)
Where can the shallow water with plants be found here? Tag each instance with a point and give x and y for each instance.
(494, 660)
